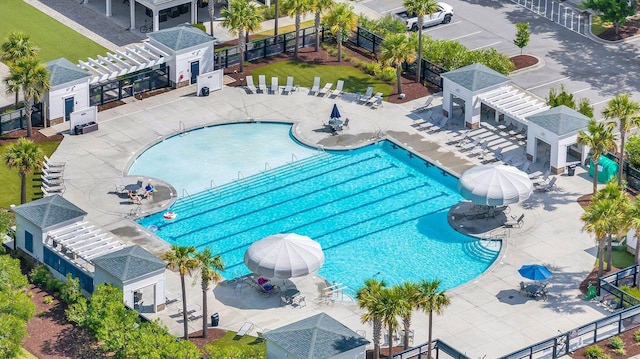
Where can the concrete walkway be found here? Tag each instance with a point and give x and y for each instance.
(487, 316)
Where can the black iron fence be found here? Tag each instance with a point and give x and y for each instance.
(17, 120)
(633, 174)
(367, 40)
(439, 349)
(129, 85)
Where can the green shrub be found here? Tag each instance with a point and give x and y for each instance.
(616, 343)
(620, 351)
(39, 275)
(388, 74)
(76, 313)
(47, 299)
(373, 68)
(636, 336)
(200, 26)
(70, 290)
(632, 148)
(41, 314)
(594, 352)
(269, 13)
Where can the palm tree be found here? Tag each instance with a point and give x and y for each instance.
(181, 258)
(600, 139)
(341, 19)
(410, 293)
(627, 112)
(390, 304)
(211, 7)
(397, 49)
(33, 79)
(619, 221)
(241, 17)
(17, 46)
(295, 9)
(209, 267)
(432, 301)
(421, 8)
(27, 157)
(369, 298)
(318, 7)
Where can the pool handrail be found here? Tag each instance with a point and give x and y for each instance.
(186, 194)
(214, 185)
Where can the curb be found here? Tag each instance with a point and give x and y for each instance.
(538, 65)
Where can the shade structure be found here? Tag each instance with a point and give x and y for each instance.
(495, 185)
(334, 112)
(284, 255)
(535, 272)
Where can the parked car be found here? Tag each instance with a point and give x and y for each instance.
(442, 16)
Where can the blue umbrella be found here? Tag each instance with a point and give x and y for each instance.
(334, 112)
(534, 272)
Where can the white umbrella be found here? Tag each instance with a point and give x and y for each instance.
(284, 255)
(495, 185)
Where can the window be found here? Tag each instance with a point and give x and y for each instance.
(28, 241)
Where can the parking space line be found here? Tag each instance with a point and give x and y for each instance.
(546, 83)
(482, 47)
(597, 103)
(467, 35)
(586, 89)
(441, 26)
(393, 10)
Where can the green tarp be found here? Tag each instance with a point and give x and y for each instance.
(607, 169)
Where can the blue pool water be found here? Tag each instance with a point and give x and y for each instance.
(377, 211)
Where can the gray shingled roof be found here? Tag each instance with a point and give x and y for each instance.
(49, 211)
(63, 71)
(129, 263)
(181, 37)
(560, 120)
(476, 77)
(316, 337)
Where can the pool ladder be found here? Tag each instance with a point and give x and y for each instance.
(181, 128)
(214, 185)
(267, 168)
(186, 194)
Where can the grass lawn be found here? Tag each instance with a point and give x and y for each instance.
(54, 39)
(284, 29)
(10, 189)
(24, 354)
(303, 74)
(620, 258)
(230, 340)
(598, 27)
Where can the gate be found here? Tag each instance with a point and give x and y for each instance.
(564, 15)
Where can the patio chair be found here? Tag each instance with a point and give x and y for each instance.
(316, 85)
(367, 95)
(172, 298)
(195, 315)
(546, 187)
(375, 98)
(525, 166)
(442, 124)
(460, 138)
(48, 161)
(424, 106)
(338, 90)
(52, 169)
(325, 90)
(46, 193)
(50, 182)
(471, 145)
(262, 83)
(245, 329)
(250, 86)
(289, 86)
(378, 103)
(478, 151)
(523, 288)
(274, 85)
(49, 175)
(55, 188)
(268, 289)
(538, 176)
(515, 222)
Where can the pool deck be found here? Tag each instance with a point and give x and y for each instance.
(486, 317)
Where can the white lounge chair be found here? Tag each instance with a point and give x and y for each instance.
(48, 161)
(316, 85)
(172, 298)
(545, 187)
(338, 90)
(378, 103)
(250, 86)
(471, 145)
(424, 106)
(52, 169)
(49, 175)
(262, 83)
(367, 95)
(245, 329)
(289, 86)
(55, 188)
(375, 98)
(537, 174)
(47, 193)
(442, 124)
(51, 181)
(274, 85)
(515, 221)
(195, 315)
(325, 90)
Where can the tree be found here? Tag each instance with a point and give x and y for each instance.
(410, 294)
(33, 79)
(396, 50)
(390, 308)
(523, 35)
(585, 108)
(388, 24)
(421, 8)
(432, 301)
(634, 222)
(600, 139)
(181, 258)
(615, 11)
(318, 7)
(341, 19)
(632, 149)
(15, 306)
(369, 299)
(209, 266)
(240, 17)
(562, 97)
(295, 9)
(627, 112)
(211, 7)
(27, 157)
(17, 47)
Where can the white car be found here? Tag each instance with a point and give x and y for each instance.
(442, 16)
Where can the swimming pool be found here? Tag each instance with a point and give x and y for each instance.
(378, 212)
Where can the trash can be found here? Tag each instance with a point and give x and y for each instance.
(571, 169)
(215, 319)
(204, 91)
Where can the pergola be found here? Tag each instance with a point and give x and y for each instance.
(513, 102)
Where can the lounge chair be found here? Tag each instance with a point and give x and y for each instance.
(424, 106)
(47, 193)
(442, 124)
(535, 175)
(250, 86)
(55, 188)
(245, 329)
(367, 95)
(316, 85)
(460, 138)
(274, 85)
(479, 150)
(375, 98)
(515, 222)
(48, 161)
(52, 169)
(195, 315)
(338, 90)
(49, 175)
(262, 83)
(289, 86)
(498, 153)
(525, 166)
(172, 298)
(378, 103)
(51, 181)
(545, 187)
(325, 90)
(346, 123)
(471, 145)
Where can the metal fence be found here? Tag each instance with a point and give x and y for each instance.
(17, 120)
(440, 349)
(632, 174)
(129, 85)
(367, 40)
(564, 15)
